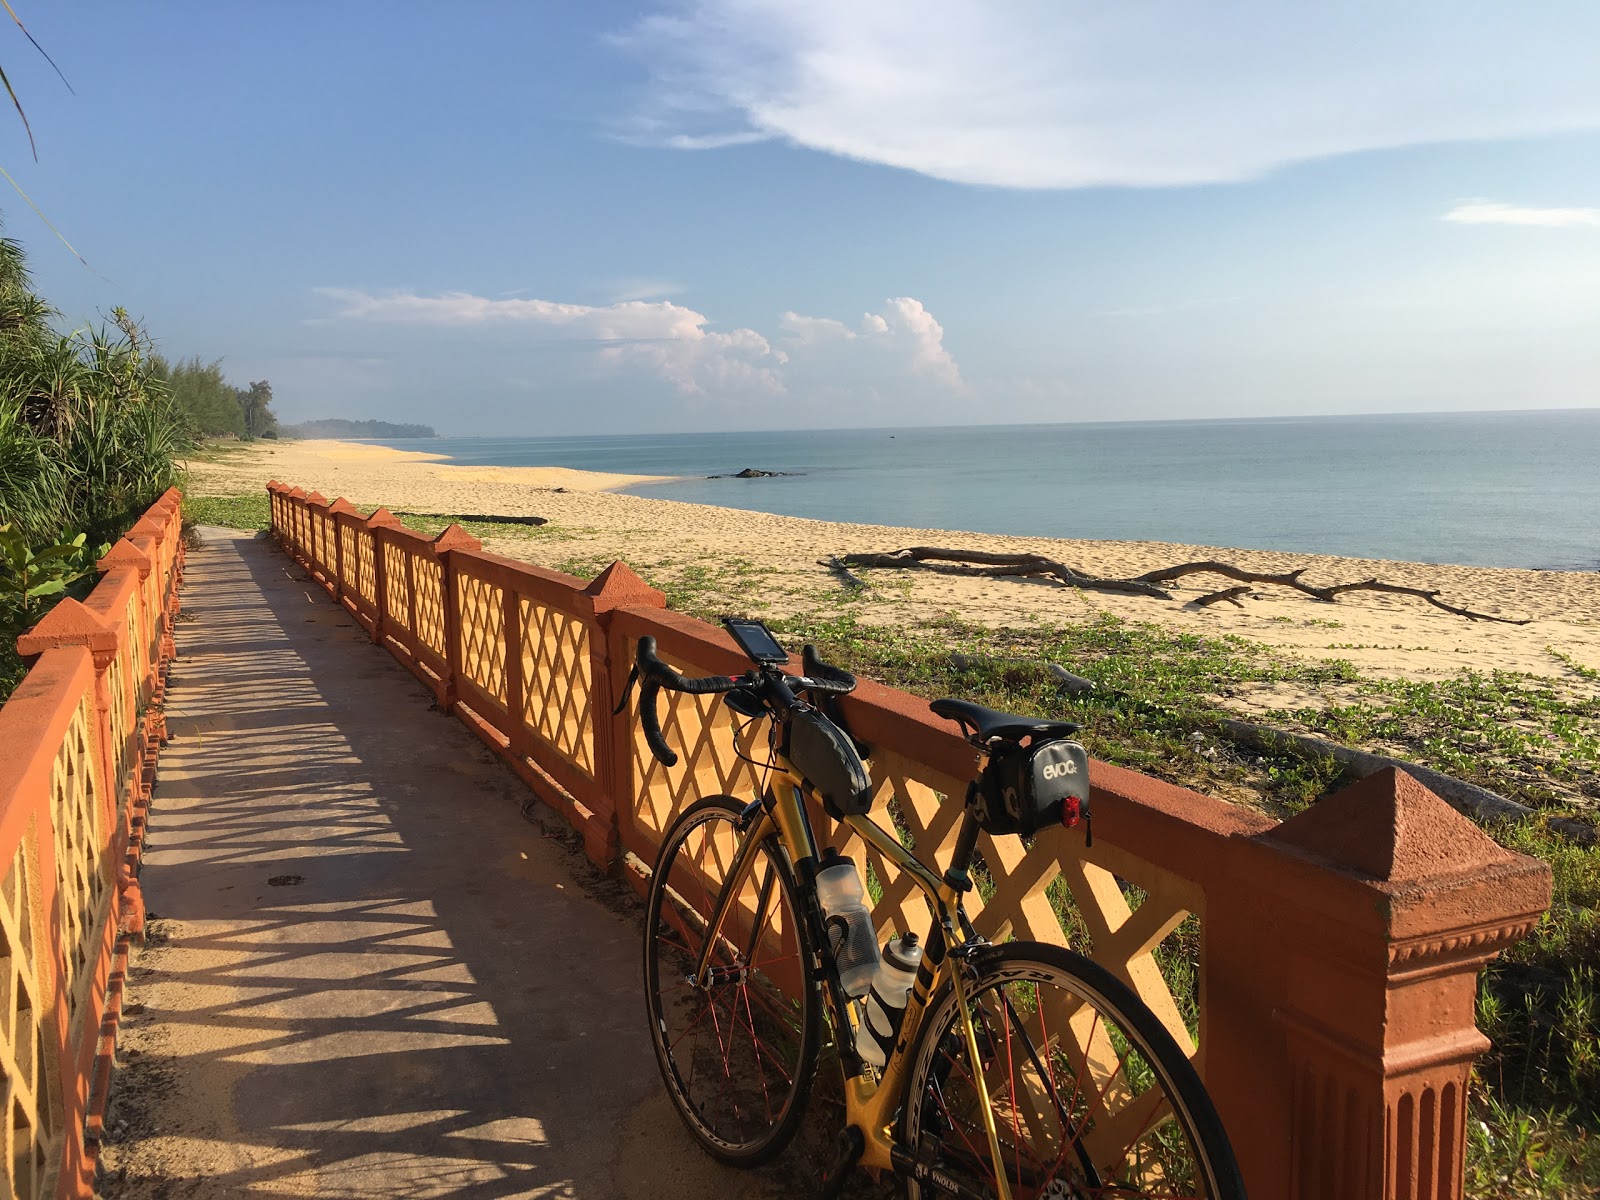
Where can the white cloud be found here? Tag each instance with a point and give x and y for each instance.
(1079, 93)
(677, 344)
(904, 334)
(1490, 212)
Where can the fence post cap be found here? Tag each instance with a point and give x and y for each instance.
(618, 586)
(316, 498)
(454, 537)
(274, 486)
(382, 518)
(125, 554)
(299, 493)
(69, 623)
(148, 527)
(341, 505)
(1390, 827)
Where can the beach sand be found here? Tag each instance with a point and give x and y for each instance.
(767, 565)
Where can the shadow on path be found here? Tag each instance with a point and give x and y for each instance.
(370, 977)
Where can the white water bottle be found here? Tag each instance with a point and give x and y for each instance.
(886, 1002)
(850, 934)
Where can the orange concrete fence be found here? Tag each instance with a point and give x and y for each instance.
(78, 745)
(1338, 950)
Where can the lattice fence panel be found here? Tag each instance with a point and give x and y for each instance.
(709, 745)
(366, 567)
(556, 686)
(397, 601)
(1103, 902)
(428, 576)
(482, 606)
(82, 863)
(124, 746)
(30, 1122)
(347, 554)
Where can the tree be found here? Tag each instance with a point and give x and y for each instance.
(255, 403)
(209, 403)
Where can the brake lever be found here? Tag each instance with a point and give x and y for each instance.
(627, 690)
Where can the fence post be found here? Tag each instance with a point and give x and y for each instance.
(380, 519)
(295, 499)
(615, 587)
(70, 623)
(1340, 976)
(452, 538)
(126, 554)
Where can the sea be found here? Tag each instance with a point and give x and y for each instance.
(1495, 489)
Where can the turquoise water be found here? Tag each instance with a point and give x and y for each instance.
(1485, 489)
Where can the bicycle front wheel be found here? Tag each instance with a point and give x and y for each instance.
(738, 1053)
(1089, 1094)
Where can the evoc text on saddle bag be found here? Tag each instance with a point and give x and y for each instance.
(1026, 789)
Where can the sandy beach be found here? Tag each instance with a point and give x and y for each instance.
(768, 564)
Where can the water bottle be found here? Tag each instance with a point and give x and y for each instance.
(886, 1003)
(850, 934)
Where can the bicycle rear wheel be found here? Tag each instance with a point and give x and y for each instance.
(1090, 1095)
(738, 1054)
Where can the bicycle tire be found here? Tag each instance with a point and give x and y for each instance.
(763, 1038)
(1053, 1143)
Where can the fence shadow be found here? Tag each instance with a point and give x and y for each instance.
(369, 977)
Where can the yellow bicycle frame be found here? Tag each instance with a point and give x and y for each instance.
(870, 1107)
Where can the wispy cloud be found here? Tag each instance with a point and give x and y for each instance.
(1490, 212)
(680, 345)
(1079, 93)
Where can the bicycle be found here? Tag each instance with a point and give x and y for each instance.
(1017, 1070)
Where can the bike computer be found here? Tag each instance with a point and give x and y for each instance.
(756, 640)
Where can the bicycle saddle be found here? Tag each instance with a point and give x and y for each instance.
(986, 723)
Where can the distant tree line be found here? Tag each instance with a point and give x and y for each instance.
(335, 427)
(211, 405)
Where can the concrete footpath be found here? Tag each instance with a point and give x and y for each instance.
(369, 975)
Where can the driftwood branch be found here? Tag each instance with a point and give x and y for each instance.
(1230, 595)
(1466, 797)
(1066, 682)
(846, 576)
(1292, 579)
(491, 520)
(1037, 566)
(999, 566)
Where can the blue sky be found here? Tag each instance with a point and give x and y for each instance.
(603, 217)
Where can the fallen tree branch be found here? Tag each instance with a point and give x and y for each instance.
(490, 520)
(846, 576)
(1465, 797)
(999, 566)
(1066, 682)
(995, 565)
(1291, 579)
(1231, 595)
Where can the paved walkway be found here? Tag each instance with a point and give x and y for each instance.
(370, 977)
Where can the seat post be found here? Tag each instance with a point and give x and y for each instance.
(966, 841)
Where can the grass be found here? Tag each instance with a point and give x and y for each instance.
(252, 511)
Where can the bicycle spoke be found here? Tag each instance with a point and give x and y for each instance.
(735, 1050)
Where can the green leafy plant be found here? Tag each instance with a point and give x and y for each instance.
(28, 576)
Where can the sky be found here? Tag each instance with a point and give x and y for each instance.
(563, 218)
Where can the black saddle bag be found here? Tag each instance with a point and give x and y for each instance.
(1026, 789)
